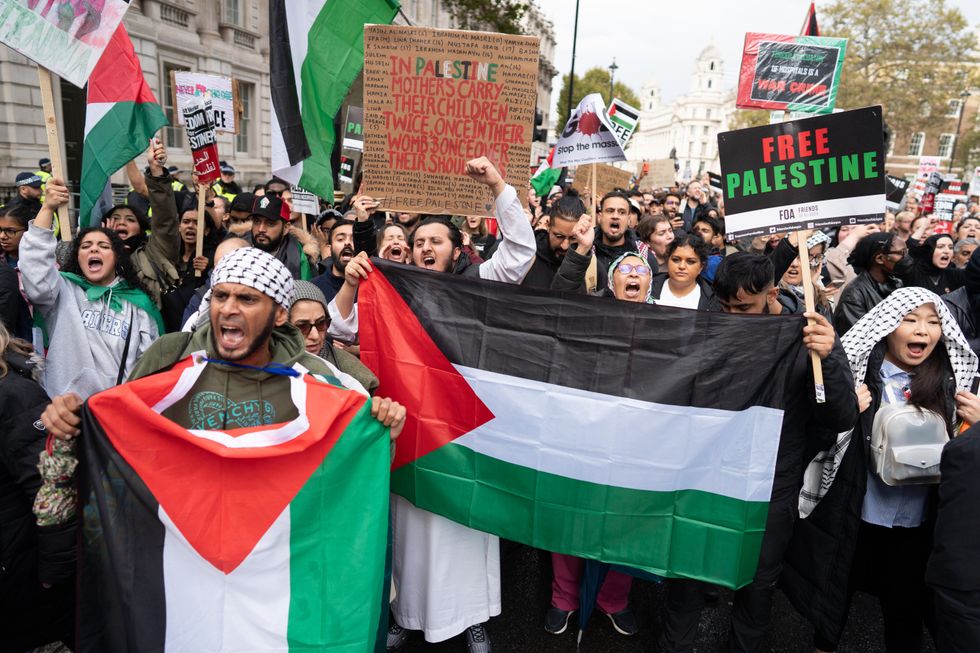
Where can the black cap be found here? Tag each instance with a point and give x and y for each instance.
(44, 162)
(28, 179)
(226, 167)
(269, 208)
(329, 214)
(242, 202)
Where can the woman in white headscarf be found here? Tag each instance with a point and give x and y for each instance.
(860, 533)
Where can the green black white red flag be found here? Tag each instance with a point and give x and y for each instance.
(269, 538)
(316, 53)
(633, 434)
(121, 116)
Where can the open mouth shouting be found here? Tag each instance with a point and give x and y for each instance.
(94, 266)
(231, 337)
(632, 290)
(916, 351)
(429, 261)
(346, 254)
(395, 253)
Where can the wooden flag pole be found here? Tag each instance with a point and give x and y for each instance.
(54, 147)
(810, 301)
(202, 199)
(593, 194)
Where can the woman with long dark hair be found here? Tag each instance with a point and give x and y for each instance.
(868, 499)
(683, 285)
(97, 317)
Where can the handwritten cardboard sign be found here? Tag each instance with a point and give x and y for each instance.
(203, 141)
(191, 88)
(658, 173)
(607, 178)
(67, 38)
(433, 100)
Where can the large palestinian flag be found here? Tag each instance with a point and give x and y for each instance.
(267, 538)
(633, 434)
(316, 53)
(121, 115)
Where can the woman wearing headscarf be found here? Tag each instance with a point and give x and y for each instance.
(630, 279)
(875, 258)
(932, 267)
(789, 275)
(861, 533)
(683, 284)
(98, 317)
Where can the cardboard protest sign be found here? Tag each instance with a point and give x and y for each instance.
(304, 201)
(806, 174)
(794, 73)
(192, 88)
(659, 173)
(895, 190)
(623, 118)
(607, 178)
(433, 100)
(927, 165)
(588, 136)
(67, 38)
(203, 142)
(354, 129)
(975, 182)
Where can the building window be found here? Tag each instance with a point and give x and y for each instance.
(174, 133)
(246, 95)
(232, 12)
(945, 145)
(690, 149)
(711, 66)
(704, 132)
(709, 83)
(953, 109)
(915, 143)
(704, 149)
(707, 114)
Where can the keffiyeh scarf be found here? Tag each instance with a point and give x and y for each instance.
(256, 269)
(858, 344)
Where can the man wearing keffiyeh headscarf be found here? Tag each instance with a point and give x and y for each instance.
(858, 532)
(251, 350)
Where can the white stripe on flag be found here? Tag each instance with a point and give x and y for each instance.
(95, 112)
(624, 442)
(246, 610)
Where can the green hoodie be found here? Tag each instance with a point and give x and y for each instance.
(226, 397)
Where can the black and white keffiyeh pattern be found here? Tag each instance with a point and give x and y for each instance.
(858, 344)
(818, 238)
(256, 269)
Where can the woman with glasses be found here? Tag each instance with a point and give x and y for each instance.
(683, 284)
(792, 279)
(308, 313)
(877, 259)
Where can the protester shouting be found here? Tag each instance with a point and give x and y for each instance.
(683, 284)
(98, 317)
(614, 238)
(786, 261)
(744, 285)
(554, 243)
(341, 241)
(867, 530)
(933, 267)
(393, 243)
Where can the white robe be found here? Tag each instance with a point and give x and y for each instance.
(447, 576)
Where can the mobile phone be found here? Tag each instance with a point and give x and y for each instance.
(975, 385)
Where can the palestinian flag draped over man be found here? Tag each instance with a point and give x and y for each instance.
(121, 115)
(266, 538)
(317, 51)
(636, 435)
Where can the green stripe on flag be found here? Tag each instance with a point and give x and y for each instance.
(689, 533)
(619, 121)
(335, 605)
(333, 61)
(119, 137)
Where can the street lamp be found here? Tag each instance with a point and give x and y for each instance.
(959, 124)
(612, 78)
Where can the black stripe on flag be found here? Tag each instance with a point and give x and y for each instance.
(659, 354)
(626, 112)
(285, 98)
(122, 606)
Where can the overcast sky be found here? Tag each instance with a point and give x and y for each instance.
(660, 40)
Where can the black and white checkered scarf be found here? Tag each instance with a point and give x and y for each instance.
(256, 269)
(858, 344)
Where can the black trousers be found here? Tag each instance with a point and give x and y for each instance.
(891, 563)
(752, 604)
(957, 614)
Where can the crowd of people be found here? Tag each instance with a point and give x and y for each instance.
(895, 328)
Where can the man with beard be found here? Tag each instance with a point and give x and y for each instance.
(28, 185)
(155, 255)
(614, 238)
(694, 199)
(270, 233)
(672, 204)
(556, 242)
(341, 241)
(448, 576)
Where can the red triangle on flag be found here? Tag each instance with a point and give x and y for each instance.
(413, 371)
(118, 77)
(222, 499)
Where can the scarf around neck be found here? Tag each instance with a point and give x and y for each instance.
(858, 344)
(117, 293)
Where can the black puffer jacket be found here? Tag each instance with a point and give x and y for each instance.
(29, 555)
(545, 266)
(926, 275)
(859, 297)
(820, 554)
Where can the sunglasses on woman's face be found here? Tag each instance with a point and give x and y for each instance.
(628, 268)
(305, 327)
